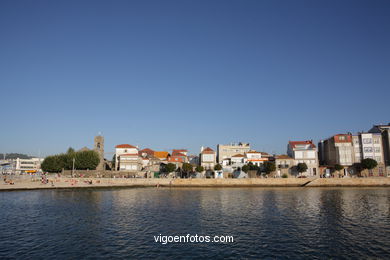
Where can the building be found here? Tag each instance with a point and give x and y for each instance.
(28, 165)
(208, 158)
(337, 149)
(162, 155)
(284, 165)
(99, 148)
(384, 130)
(127, 158)
(179, 156)
(227, 151)
(369, 145)
(304, 152)
(256, 158)
(237, 160)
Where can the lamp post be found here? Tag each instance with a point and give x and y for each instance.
(73, 167)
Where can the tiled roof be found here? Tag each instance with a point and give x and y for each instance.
(253, 151)
(161, 154)
(208, 150)
(283, 156)
(293, 144)
(125, 146)
(238, 155)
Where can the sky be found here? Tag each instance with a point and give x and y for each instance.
(186, 74)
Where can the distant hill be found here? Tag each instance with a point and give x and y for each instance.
(14, 156)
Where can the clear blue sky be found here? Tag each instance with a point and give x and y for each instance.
(181, 74)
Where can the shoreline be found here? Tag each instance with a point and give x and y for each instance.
(81, 183)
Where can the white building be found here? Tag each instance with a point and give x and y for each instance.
(368, 145)
(208, 158)
(227, 151)
(255, 157)
(28, 165)
(304, 152)
(127, 158)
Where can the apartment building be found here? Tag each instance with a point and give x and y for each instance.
(227, 151)
(337, 149)
(369, 145)
(304, 152)
(384, 130)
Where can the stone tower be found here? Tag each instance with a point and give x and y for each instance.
(99, 148)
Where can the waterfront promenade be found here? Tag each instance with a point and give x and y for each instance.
(74, 183)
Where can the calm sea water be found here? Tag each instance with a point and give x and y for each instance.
(342, 223)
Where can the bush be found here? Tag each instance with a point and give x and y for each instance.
(284, 175)
(217, 167)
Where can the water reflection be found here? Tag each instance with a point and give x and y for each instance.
(265, 222)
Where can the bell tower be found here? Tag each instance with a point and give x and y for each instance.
(99, 148)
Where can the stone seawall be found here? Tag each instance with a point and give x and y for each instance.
(70, 183)
(350, 182)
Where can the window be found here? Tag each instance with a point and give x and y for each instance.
(342, 138)
(367, 140)
(376, 140)
(377, 149)
(378, 159)
(368, 149)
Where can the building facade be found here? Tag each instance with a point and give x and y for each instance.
(127, 158)
(208, 158)
(384, 130)
(255, 157)
(369, 145)
(304, 152)
(28, 165)
(227, 151)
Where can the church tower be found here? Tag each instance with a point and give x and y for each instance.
(99, 148)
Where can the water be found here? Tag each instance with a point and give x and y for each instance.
(343, 223)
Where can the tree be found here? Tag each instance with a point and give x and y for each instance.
(86, 160)
(52, 164)
(269, 167)
(170, 167)
(245, 168)
(187, 168)
(70, 150)
(369, 164)
(217, 167)
(338, 167)
(113, 162)
(199, 168)
(301, 167)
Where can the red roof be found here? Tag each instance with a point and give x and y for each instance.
(175, 159)
(208, 150)
(293, 144)
(238, 155)
(125, 146)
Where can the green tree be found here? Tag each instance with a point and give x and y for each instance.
(86, 160)
(187, 168)
(301, 167)
(338, 168)
(52, 164)
(170, 167)
(113, 162)
(199, 168)
(245, 168)
(217, 167)
(369, 164)
(269, 167)
(70, 150)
